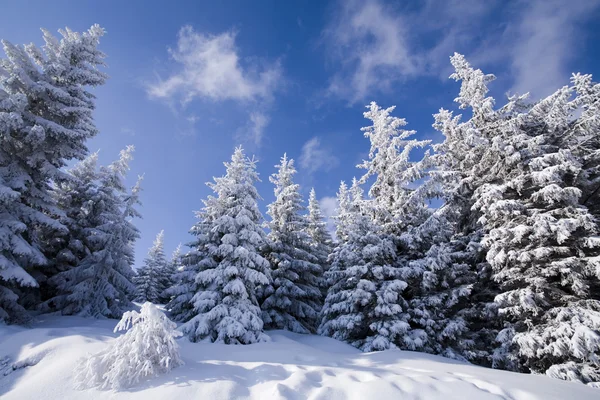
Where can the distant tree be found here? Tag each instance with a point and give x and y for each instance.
(322, 243)
(150, 278)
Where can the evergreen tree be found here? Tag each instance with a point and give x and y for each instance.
(322, 243)
(184, 284)
(99, 284)
(364, 305)
(170, 273)
(293, 300)
(150, 278)
(458, 286)
(543, 246)
(227, 260)
(45, 119)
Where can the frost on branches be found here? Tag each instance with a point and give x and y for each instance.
(45, 119)
(293, 300)
(229, 266)
(147, 349)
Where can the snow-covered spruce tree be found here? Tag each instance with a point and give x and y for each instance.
(147, 349)
(543, 246)
(322, 243)
(228, 262)
(66, 249)
(170, 273)
(293, 300)
(459, 275)
(400, 194)
(45, 119)
(185, 286)
(100, 283)
(364, 305)
(150, 279)
(583, 138)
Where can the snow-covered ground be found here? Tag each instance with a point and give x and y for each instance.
(291, 366)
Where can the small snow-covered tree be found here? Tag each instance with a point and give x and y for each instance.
(45, 119)
(227, 261)
(150, 279)
(364, 305)
(100, 283)
(147, 349)
(322, 243)
(293, 300)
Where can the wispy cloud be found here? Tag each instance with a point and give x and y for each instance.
(128, 131)
(375, 45)
(316, 156)
(254, 130)
(371, 44)
(544, 40)
(209, 67)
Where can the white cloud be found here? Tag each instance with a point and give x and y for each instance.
(376, 45)
(329, 209)
(211, 68)
(315, 156)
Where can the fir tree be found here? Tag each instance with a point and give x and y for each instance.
(45, 119)
(150, 277)
(100, 283)
(227, 260)
(293, 300)
(322, 243)
(364, 305)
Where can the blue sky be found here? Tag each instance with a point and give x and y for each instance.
(190, 80)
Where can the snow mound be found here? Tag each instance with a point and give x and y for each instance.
(39, 363)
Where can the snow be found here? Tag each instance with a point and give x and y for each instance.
(290, 366)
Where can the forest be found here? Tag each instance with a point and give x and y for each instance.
(483, 247)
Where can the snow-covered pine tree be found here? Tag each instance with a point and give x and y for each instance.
(185, 286)
(364, 305)
(322, 243)
(583, 139)
(459, 166)
(227, 259)
(543, 246)
(66, 249)
(170, 273)
(45, 119)
(293, 300)
(100, 284)
(150, 279)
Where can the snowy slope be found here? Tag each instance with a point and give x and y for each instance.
(292, 366)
